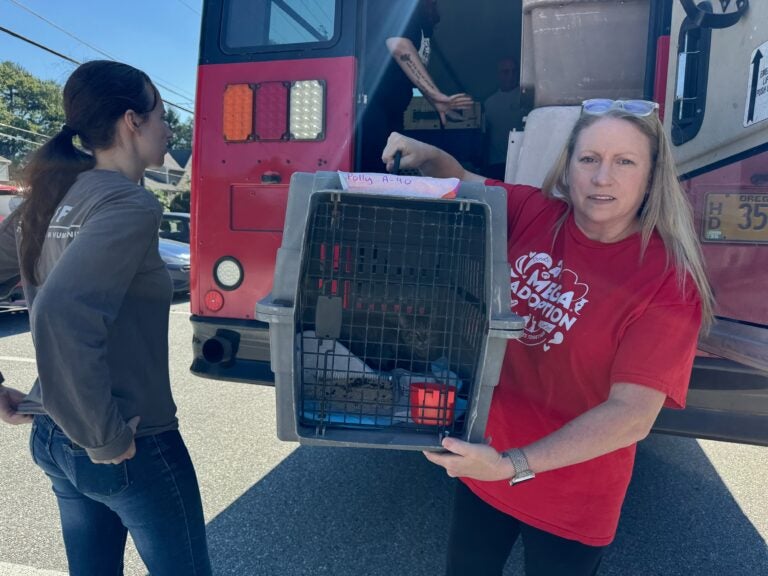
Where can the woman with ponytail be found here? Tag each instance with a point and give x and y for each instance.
(85, 245)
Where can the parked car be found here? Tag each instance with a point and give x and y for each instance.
(9, 200)
(14, 301)
(174, 254)
(175, 226)
(176, 258)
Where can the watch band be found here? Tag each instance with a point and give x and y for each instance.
(523, 471)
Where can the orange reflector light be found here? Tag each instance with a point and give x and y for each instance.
(214, 301)
(238, 112)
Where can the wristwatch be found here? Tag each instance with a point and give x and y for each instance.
(520, 463)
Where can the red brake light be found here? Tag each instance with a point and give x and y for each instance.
(214, 301)
(271, 111)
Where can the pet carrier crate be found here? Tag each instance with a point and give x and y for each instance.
(389, 316)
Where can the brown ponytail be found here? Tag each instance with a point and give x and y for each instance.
(96, 96)
(51, 171)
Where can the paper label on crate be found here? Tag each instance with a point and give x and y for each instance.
(394, 185)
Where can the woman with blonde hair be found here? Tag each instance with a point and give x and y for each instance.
(606, 270)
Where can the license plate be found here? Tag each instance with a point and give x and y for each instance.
(735, 217)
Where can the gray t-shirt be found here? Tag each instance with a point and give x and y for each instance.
(99, 316)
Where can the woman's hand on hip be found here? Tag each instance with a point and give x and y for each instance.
(133, 423)
(466, 460)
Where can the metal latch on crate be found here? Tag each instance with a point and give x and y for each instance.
(509, 326)
(269, 310)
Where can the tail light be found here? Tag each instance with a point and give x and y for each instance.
(275, 111)
(307, 110)
(238, 113)
(228, 273)
(272, 111)
(214, 301)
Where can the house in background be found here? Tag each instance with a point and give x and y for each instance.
(182, 158)
(169, 180)
(169, 173)
(5, 176)
(186, 179)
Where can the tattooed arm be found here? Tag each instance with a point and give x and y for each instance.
(407, 57)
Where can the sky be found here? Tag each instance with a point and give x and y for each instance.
(161, 37)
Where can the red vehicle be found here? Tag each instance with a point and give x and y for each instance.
(280, 86)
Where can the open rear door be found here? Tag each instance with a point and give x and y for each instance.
(717, 96)
(717, 115)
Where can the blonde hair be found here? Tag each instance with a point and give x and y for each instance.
(665, 208)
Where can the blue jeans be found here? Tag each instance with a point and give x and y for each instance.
(154, 496)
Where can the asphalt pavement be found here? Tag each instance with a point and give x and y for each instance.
(275, 508)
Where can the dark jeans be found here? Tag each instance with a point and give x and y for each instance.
(154, 496)
(482, 538)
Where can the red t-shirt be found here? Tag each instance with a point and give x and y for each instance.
(597, 315)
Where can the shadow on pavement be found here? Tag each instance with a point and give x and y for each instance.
(679, 518)
(352, 512)
(339, 511)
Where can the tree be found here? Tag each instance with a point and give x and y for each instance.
(182, 131)
(29, 103)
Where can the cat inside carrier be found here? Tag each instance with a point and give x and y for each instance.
(391, 320)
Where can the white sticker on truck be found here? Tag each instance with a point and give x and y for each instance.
(756, 109)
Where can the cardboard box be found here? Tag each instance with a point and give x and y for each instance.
(421, 115)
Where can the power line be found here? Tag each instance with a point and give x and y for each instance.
(44, 19)
(309, 11)
(330, 17)
(190, 7)
(14, 137)
(91, 46)
(25, 39)
(23, 130)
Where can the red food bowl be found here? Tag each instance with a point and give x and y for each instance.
(432, 403)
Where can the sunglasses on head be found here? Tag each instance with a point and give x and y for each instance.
(597, 106)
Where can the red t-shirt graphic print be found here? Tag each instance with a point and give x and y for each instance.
(549, 296)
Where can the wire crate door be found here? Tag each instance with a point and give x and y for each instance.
(393, 312)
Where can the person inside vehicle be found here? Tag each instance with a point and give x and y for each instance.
(501, 115)
(398, 36)
(85, 245)
(607, 271)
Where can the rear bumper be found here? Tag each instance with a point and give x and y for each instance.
(234, 350)
(726, 401)
(743, 428)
